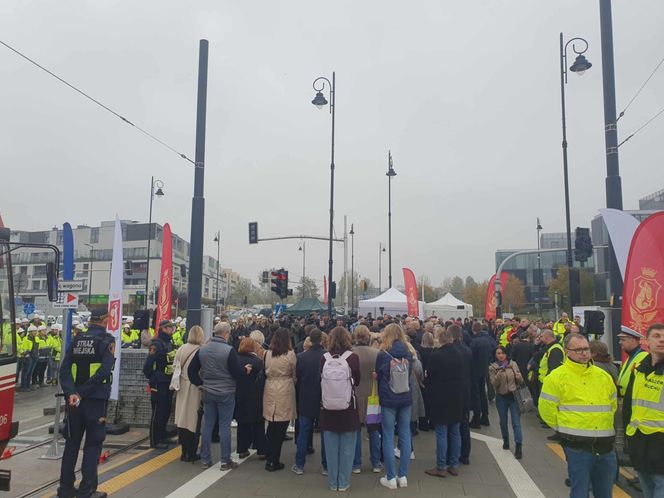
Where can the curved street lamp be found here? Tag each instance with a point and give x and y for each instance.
(320, 101)
(159, 185)
(580, 66)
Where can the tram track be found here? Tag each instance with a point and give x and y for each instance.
(112, 454)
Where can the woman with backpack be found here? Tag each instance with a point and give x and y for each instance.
(393, 370)
(339, 418)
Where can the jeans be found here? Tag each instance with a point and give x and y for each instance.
(505, 404)
(442, 459)
(218, 411)
(305, 429)
(26, 371)
(390, 416)
(464, 429)
(586, 469)
(374, 449)
(652, 484)
(339, 449)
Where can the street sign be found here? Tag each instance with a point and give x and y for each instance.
(70, 285)
(66, 300)
(28, 308)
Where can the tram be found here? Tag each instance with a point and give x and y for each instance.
(8, 347)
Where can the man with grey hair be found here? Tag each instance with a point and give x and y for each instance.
(214, 367)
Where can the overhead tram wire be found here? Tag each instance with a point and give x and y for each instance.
(124, 119)
(622, 113)
(643, 126)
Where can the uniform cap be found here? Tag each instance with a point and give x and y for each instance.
(98, 313)
(165, 323)
(627, 332)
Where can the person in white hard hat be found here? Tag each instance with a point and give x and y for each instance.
(30, 354)
(44, 354)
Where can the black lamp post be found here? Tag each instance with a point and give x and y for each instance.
(159, 185)
(381, 250)
(540, 277)
(320, 101)
(580, 66)
(217, 239)
(90, 275)
(352, 267)
(303, 249)
(390, 173)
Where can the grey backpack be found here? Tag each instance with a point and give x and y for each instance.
(399, 382)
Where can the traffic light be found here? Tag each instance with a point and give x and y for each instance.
(284, 284)
(276, 282)
(583, 246)
(280, 283)
(265, 277)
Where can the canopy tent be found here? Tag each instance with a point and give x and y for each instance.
(306, 306)
(449, 306)
(392, 302)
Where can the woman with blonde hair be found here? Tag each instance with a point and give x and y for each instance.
(188, 398)
(394, 365)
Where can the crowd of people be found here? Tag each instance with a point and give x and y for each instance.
(387, 378)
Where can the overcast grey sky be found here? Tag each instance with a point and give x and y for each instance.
(466, 95)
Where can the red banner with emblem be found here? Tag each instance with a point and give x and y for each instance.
(411, 292)
(490, 302)
(166, 277)
(643, 297)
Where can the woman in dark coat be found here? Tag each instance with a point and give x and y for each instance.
(249, 402)
(445, 386)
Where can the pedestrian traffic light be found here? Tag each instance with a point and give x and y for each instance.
(583, 246)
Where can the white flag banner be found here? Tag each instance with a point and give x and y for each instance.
(115, 304)
(621, 227)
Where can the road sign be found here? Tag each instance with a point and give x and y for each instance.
(28, 308)
(70, 285)
(66, 300)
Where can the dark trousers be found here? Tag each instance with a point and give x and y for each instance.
(88, 419)
(160, 399)
(464, 430)
(251, 433)
(480, 403)
(275, 438)
(189, 442)
(310, 438)
(40, 371)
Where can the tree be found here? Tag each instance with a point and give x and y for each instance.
(475, 294)
(470, 281)
(457, 287)
(514, 294)
(560, 285)
(309, 287)
(245, 290)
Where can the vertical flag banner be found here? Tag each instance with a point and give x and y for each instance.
(621, 227)
(166, 277)
(643, 298)
(490, 300)
(411, 292)
(115, 304)
(324, 289)
(68, 274)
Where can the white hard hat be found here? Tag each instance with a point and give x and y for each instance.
(80, 326)
(130, 319)
(32, 328)
(75, 323)
(20, 330)
(178, 319)
(41, 327)
(56, 326)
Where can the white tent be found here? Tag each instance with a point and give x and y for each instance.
(392, 302)
(449, 306)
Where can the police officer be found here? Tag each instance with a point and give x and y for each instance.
(85, 376)
(158, 369)
(630, 343)
(578, 401)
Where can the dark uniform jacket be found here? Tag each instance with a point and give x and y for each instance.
(87, 365)
(308, 389)
(158, 366)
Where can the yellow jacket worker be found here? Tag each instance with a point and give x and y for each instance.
(579, 400)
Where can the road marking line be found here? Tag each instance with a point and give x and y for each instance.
(558, 450)
(35, 428)
(521, 483)
(202, 481)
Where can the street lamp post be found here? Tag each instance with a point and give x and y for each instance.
(390, 173)
(303, 249)
(540, 277)
(217, 239)
(159, 185)
(381, 250)
(90, 274)
(320, 101)
(580, 66)
(352, 267)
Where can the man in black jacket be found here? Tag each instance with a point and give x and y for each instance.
(482, 347)
(464, 427)
(308, 391)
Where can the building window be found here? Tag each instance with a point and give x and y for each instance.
(94, 235)
(36, 284)
(60, 237)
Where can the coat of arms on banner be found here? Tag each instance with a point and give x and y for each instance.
(645, 298)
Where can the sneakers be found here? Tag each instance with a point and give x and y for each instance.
(357, 470)
(297, 470)
(388, 483)
(397, 452)
(346, 488)
(233, 423)
(324, 472)
(230, 465)
(377, 470)
(291, 429)
(206, 465)
(402, 482)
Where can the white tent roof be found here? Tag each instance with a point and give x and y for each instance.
(391, 295)
(392, 301)
(449, 300)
